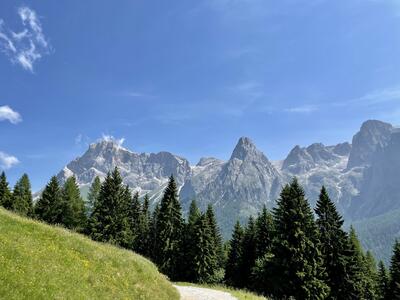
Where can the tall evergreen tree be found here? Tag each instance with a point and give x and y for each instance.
(5, 193)
(216, 235)
(109, 220)
(370, 276)
(22, 197)
(233, 272)
(264, 232)
(134, 215)
(382, 281)
(49, 207)
(333, 245)
(73, 207)
(154, 232)
(93, 195)
(204, 255)
(169, 232)
(394, 283)
(249, 254)
(144, 234)
(297, 257)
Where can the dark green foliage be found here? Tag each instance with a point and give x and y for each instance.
(249, 254)
(333, 245)
(217, 240)
(22, 197)
(264, 232)
(297, 259)
(153, 232)
(233, 270)
(144, 232)
(394, 283)
(169, 232)
(73, 207)
(49, 207)
(5, 193)
(134, 213)
(109, 221)
(93, 195)
(382, 282)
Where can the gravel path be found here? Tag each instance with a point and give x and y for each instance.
(196, 293)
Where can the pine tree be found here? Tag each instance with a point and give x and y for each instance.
(49, 207)
(5, 193)
(204, 255)
(264, 232)
(154, 232)
(394, 283)
(382, 281)
(249, 255)
(333, 245)
(217, 240)
(296, 255)
(144, 234)
(169, 232)
(134, 215)
(233, 272)
(354, 288)
(73, 207)
(109, 220)
(93, 195)
(22, 197)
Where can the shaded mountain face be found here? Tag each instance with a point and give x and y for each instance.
(358, 176)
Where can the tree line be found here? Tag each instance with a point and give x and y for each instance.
(284, 253)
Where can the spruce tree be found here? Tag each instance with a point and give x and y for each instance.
(5, 193)
(382, 282)
(394, 283)
(354, 288)
(134, 216)
(109, 220)
(93, 195)
(154, 232)
(216, 237)
(169, 232)
(73, 207)
(298, 261)
(264, 232)
(233, 272)
(370, 276)
(144, 234)
(204, 255)
(333, 245)
(22, 197)
(249, 254)
(49, 207)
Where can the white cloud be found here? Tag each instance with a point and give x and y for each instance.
(110, 138)
(7, 113)
(27, 46)
(7, 161)
(305, 109)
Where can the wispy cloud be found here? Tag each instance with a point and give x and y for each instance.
(110, 138)
(305, 109)
(7, 161)
(27, 46)
(8, 114)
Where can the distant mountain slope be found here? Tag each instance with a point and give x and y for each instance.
(44, 262)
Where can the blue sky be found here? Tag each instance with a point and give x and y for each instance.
(190, 77)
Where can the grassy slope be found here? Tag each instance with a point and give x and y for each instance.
(240, 294)
(38, 261)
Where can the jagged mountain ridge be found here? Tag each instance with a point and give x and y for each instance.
(239, 187)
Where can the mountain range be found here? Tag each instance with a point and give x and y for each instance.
(362, 177)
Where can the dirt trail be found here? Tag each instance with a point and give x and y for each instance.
(196, 293)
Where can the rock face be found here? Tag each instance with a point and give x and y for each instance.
(148, 173)
(373, 136)
(362, 178)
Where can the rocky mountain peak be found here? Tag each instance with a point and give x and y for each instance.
(244, 148)
(373, 135)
